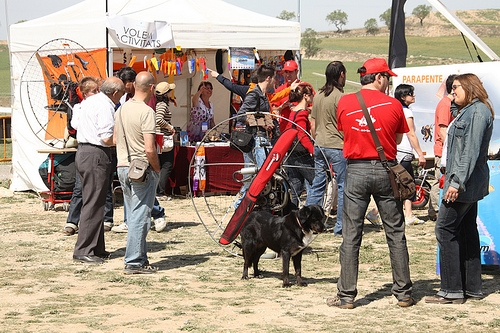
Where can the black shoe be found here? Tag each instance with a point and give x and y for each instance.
(88, 259)
(136, 269)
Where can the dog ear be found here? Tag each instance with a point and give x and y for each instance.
(304, 213)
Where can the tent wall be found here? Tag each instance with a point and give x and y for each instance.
(203, 25)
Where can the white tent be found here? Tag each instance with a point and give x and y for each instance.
(203, 25)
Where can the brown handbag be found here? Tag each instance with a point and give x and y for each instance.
(402, 182)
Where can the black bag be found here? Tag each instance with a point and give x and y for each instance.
(242, 141)
(138, 170)
(64, 173)
(402, 182)
(298, 148)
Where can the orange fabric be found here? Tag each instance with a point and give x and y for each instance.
(56, 125)
(96, 67)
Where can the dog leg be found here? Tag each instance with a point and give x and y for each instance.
(246, 264)
(255, 260)
(297, 265)
(285, 257)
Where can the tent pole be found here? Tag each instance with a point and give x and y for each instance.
(109, 72)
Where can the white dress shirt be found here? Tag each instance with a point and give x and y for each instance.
(95, 120)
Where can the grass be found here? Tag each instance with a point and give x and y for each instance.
(4, 76)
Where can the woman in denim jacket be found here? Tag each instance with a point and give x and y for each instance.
(466, 182)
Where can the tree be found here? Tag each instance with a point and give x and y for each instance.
(287, 16)
(386, 18)
(422, 11)
(310, 42)
(371, 26)
(337, 18)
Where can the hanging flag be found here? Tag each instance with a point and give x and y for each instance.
(398, 47)
(127, 31)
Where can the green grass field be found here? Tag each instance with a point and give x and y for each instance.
(449, 47)
(4, 76)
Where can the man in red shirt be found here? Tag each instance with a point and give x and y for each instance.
(366, 177)
(442, 118)
(290, 73)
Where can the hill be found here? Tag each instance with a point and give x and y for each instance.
(484, 23)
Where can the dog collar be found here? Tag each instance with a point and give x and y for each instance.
(300, 225)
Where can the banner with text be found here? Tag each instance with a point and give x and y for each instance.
(140, 34)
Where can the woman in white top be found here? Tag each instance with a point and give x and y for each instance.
(405, 93)
(202, 112)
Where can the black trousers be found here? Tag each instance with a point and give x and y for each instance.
(93, 164)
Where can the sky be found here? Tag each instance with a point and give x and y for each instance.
(312, 12)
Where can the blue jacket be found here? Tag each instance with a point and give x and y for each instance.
(467, 155)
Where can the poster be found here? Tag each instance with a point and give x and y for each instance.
(242, 58)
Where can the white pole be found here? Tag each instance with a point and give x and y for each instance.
(298, 14)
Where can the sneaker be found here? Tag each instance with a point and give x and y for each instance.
(108, 226)
(374, 219)
(413, 220)
(270, 255)
(160, 224)
(136, 269)
(340, 303)
(70, 229)
(121, 228)
(406, 302)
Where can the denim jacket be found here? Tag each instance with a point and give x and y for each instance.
(466, 162)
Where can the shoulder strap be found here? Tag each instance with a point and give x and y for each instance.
(295, 116)
(124, 135)
(368, 119)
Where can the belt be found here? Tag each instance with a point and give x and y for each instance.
(93, 145)
(368, 161)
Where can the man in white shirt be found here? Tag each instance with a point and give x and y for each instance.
(93, 164)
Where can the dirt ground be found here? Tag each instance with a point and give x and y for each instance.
(199, 288)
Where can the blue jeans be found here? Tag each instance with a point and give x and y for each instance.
(459, 250)
(335, 158)
(157, 212)
(256, 157)
(300, 171)
(139, 199)
(363, 180)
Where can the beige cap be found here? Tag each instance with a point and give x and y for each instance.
(163, 87)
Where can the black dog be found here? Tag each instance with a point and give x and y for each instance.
(288, 235)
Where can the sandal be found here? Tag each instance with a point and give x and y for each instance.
(340, 303)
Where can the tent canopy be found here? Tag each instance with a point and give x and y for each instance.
(209, 24)
(202, 25)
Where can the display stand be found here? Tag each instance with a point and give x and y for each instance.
(51, 196)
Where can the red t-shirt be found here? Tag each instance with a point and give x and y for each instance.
(442, 117)
(302, 119)
(388, 119)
